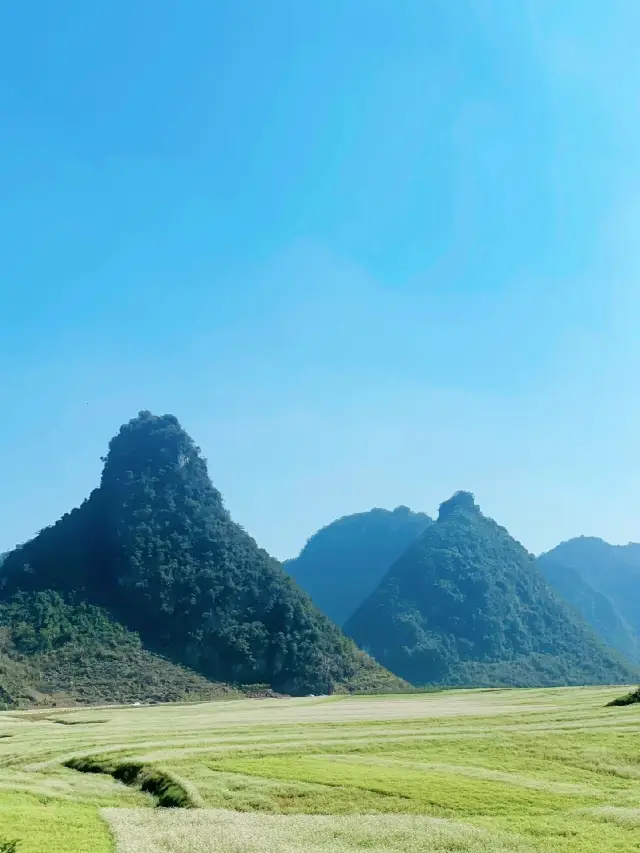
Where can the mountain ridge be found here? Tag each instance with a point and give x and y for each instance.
(155, 546)
(343, 561)
(467, 605)
(593, 606)
(612, 570)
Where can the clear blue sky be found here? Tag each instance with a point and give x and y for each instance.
(369, 253)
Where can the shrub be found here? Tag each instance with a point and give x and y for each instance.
(629, 699)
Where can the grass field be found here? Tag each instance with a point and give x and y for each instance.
(465, 771)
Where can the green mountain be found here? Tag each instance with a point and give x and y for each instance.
(467, 605)
(155, 547)
(343, 563)
(594, 607)
(58, 653)
(612, 570)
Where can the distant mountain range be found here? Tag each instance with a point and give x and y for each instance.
(467, 605)
(343, 562)
(602, 582)
(149, 590)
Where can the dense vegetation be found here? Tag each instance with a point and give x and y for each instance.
(632, 698)
(612, 570)
(344, 562)
(54, 652)
(595, 608)
(467, 605)
(155, 546)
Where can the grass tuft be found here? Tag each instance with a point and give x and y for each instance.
(90, 764)
(128, 772)
(167, 790)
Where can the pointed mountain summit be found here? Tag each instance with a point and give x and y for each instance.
(156, 547)
(342, 564)
(467, 605)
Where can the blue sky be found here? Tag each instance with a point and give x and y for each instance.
(368, 253)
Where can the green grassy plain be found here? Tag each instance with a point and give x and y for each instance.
(510, 771)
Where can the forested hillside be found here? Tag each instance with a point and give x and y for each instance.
(57, 653)
(343, 562)
(595, 607)
(155, 547)
(612, 570)
(467, 605)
